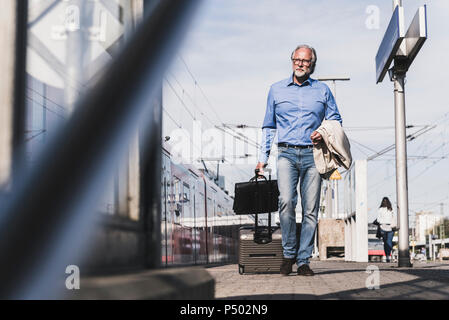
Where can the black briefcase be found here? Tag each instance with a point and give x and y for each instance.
(256, 196)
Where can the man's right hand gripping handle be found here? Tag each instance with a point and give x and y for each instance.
(260, 166)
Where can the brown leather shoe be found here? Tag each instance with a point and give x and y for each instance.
(286, 266)
(305, 270)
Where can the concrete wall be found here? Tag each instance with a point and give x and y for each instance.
(331, 233)
(356, 223)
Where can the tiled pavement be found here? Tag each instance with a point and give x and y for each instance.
(337, 280)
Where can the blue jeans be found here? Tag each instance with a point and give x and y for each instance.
(295, 165)
(387, 237)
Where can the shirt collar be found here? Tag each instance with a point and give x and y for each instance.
(291, 82)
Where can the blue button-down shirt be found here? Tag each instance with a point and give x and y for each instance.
(295, 111)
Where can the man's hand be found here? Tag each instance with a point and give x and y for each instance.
(316, 138)
(260, 166)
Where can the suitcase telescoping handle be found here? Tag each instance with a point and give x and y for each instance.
(258, 238)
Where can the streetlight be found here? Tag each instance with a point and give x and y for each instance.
(334, 212)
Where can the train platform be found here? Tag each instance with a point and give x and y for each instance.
(337, 280)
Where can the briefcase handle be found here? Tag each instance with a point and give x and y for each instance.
(257, 175)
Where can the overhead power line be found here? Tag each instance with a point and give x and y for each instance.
(241, 126)
(180, 99)
(412, 165)
(244, 139)
(367, 128)
(47, 99)
(195, 105)
(410, 137)
(201, 90)
(226, 128)
(242, 135)
(171, 118)
(45, 107)
(36, 135)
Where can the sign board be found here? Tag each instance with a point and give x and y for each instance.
(390, 43)
(335, 175)
(47, 45)
(416, 34)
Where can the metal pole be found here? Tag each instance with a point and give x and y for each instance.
(329, 203)
(332, 212)
(443, 233)
(335, 199)
(401, 170)
(399, 70)
(397, 3)
(76, 43)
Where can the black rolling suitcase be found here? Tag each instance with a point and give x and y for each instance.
(260, 247)
(260, 257)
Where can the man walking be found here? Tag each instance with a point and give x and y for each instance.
(296, 107)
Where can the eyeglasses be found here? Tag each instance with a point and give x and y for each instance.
(302, 61)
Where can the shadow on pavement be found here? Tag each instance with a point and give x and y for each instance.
(430, 284)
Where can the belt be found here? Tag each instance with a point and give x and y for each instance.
(286, 145)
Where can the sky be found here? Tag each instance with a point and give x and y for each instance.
(235, 49)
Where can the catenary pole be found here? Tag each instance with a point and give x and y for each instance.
(77, 25)
(333, 185)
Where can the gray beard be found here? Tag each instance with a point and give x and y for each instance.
(301, 74)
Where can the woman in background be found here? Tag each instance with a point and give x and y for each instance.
(388, 222)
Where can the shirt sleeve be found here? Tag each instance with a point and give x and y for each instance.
(332, 112)
(270, 116)
(268, 135)
(268, 128)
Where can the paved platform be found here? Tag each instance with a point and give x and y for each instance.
(337, 280)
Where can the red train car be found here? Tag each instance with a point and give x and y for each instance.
(375, 245)
(198, 224)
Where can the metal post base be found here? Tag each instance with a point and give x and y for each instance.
(404, 263)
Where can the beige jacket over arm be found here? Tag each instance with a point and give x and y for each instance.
(334, 151)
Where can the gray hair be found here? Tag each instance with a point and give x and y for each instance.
(314, 57)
